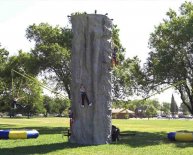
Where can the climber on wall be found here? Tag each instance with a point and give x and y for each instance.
(114, 57)
(84, 96)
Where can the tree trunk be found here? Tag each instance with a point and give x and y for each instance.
(91, 64)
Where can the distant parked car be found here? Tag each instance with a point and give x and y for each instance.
(41, 115)
(188, 116)
(169, 116)
(175, 117)
(18, 115)
(181, 116)
(1, 114)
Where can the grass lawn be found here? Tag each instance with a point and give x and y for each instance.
(144, 137)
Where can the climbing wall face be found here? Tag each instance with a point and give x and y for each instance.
(91, 65)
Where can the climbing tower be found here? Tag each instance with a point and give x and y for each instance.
(91, 65)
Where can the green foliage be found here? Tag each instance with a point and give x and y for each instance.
(148, 108)
(14, 85)
(174, 107)
(127, 75)
(30, 94)
(165, 108)
(3, 57)
(120, 54)
(170, 59)
(139, 137)
(184, 109)
(78, 13)
(60, 105)
(52, 52)
(151, 111)
(48, 104)
(4, 91)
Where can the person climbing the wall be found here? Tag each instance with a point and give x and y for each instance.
(84, 96)
(114, 57)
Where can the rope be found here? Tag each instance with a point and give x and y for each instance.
(41, 84)
(12, 84)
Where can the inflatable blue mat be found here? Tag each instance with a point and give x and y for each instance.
(18, 134)
(181, 136)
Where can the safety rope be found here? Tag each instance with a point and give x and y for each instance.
(12, 84)
(41, 84)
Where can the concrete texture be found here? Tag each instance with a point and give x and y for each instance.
(91, 62)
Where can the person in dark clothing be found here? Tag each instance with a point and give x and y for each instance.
(70, 114)
(84, 96)
(13, 107)
(115, 133)
(114, 57)
(14, 103)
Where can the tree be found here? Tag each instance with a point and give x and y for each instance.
(3, 57)
(3, 85)
(29, 92)
(60, 105)
(127, 75)
(171, 58)
(174, 107)
(52, 51)
(48, 104)
(184, 109)
(165, 108)
(126, 79)
(15, 85)
(150, 111)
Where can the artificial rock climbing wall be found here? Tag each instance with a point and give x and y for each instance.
(91, 65)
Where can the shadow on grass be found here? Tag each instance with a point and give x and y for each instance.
(38, 149)
(41, 130)
(132, 139)
(49, 130)
(6, 126)
(143, 139)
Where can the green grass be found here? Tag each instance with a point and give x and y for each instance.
(142, 137)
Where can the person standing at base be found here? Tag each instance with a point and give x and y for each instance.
(84, 96)
(70, 114)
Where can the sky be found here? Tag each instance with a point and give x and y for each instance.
(136, 19)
